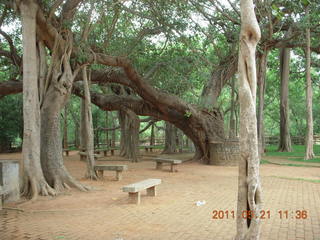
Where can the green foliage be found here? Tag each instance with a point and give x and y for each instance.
(11, 123)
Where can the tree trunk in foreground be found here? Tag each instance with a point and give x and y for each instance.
(88, 128)
(59, 83)
(34, 182)
(170, 144)
(309, 136)
(249, 188)
(285, 140)
(261, 79)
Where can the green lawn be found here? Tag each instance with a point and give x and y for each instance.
(297, 153)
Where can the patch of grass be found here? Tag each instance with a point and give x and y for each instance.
(299, 179)
(285, 164)
(297, 151)
(263, 161)
(315, 160)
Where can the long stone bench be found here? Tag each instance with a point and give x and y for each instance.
(173, 163)
(83, 156)
(134, 189)
(117, 168)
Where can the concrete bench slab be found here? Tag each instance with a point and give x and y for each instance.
(9, 181)
(83, 156)
(66, 151)
(117, 168)
(104, 150)
(134, 189)
(173, 163)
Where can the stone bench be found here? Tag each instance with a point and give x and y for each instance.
(66, 151)
(173, 163)
(149, 148)
(2, 193)
(83, 156)
(118, 168)
(134, 189)
(112, 149)
(104, 150)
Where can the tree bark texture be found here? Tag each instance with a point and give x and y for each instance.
(58, 82)
(82, 135)
(129, 142)
(152, 137)
(88, 128)
(285, 140)
(249, 187)
(309, 135)
(261, 80)
(219, 78)
(34, 181)
(170, 143)
(65, 127)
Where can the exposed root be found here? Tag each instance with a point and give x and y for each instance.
(64, 181)
(34, 187)
(92, 176)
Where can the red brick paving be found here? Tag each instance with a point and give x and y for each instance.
(104, 213)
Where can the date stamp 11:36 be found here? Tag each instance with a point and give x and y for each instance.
(263, 214)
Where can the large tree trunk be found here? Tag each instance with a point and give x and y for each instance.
(261, 79)
(309, 135)
(170, 144)
(58, 84)
(129, 142)
(285, 140)
(34, 182)
(51, 148)
(88, 128)
(249, 188)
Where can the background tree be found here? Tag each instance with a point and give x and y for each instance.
(309, 134)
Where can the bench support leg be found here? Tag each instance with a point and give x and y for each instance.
(152, 191)
(112, 152)
(159, 165)
(134, 197)
(173, 168)
(82, 158)
(0, 202)
(100, 173)
(105, 153)
(119, 175)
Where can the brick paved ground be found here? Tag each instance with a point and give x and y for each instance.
(104, 213)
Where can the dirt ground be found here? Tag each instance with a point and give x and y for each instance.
(104, 212)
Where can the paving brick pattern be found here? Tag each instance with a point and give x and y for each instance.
(104, 213)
